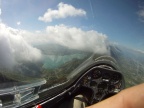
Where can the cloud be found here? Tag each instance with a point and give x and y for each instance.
(75, 38)
(64, 10)
(71, 37)
(15, 49)
(16, 46)
(141, 14)
(18, 23)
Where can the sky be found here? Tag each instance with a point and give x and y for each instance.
(78, 24)
(122, 21)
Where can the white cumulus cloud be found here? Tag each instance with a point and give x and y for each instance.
(63, 11)
(141, 14)
(71, 37)
(15, 49)
(18, 23)
(16, 46)
(75, 38)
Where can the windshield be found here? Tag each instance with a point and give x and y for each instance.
(43, 42)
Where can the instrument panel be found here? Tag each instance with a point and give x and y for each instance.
(95, 84)
(103, 82)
